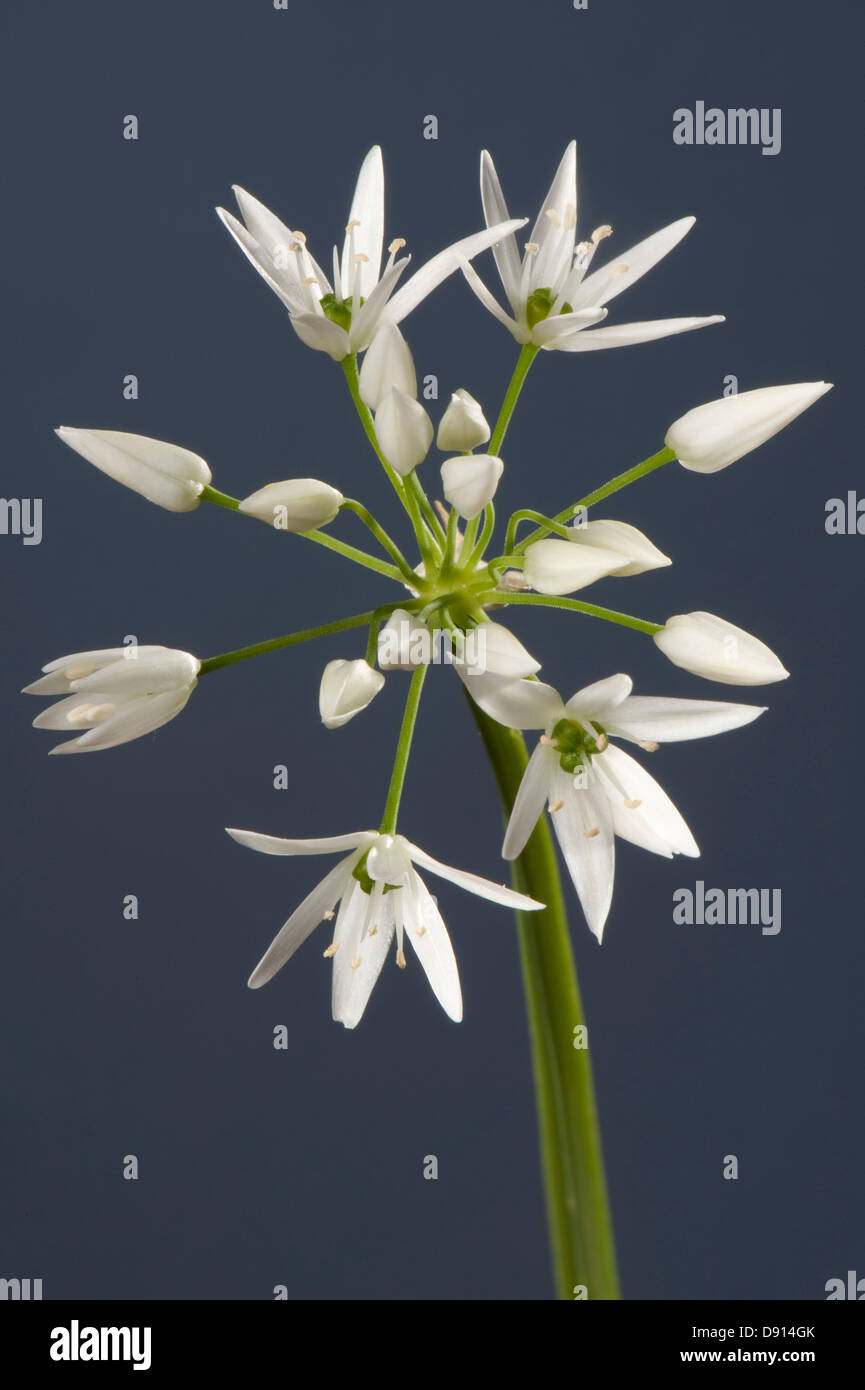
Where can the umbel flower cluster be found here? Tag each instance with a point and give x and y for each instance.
(580, 772)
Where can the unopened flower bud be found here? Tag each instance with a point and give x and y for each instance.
(463, 426)
(297, 504)
(470, 482)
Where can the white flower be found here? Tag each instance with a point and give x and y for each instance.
(404, 431)
(380, 894)
(346, 688)
(343, 318)
(551, 298)
(470, 482)
(712, 436)
(554, 566)
(387, 362)
(594, 790)
(171, 477)
(404, 643)
(297, 504)
(626, 540)
(463, 425)
(711, 647)
(114, 695)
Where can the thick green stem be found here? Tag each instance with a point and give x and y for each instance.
(403, 748)
(527, 356)
(577, 1205)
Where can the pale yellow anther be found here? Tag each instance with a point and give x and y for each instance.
(310, 280)
(582, 249)
(99, 713)
(79, 715)
(354, 223)
(553, 217)
(300, 237)
(633, 804)
(570, 216)
(355, 963)
(602, 741)
(548, 742)
(295, 245)
(372, 931)
(329, 915)
(360, 257)
(601, 232)
(400, 959)
(649, 746)
(421, 931)
(620, 269)
(330, 950)
(77, 673)
(532, 248)
(396, 245)
(557, 804)
(590, 834)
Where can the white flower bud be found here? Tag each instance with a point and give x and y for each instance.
(623, 539)
(297, 504)
(404, 643)
(470, 482)
(171, 477)
(404, 431)
(347, 687)
(714, 435)
(711, 647)
(555, 566)
(387, 363)
(463, 425)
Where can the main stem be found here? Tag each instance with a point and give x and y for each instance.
(397, 780)
(577, 1205)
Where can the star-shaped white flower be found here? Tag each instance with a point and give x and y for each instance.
(342, 318)
(593, 789)
(380, 895)
(551, 296)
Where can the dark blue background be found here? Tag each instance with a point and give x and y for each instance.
(304, 1167)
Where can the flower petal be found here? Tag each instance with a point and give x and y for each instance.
(425, 929)
(521, 704)
(529, 801)
(367, 209)
(626, 334)
(302, 922)
(132, 720)
(318, 332)
(555, 234)
(331, 844)
(472, 883)
(584, 829)
(655, 719)
(506, 252)
(623, 778)
(361, 954)
(600, 287)
(425, 280)
(601, 698)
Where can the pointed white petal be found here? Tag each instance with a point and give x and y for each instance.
(367, 209)
(656, 814)
(425, 929)
(366, 321)
(637, 550)
(555, 235)
(318, 332)
(600, 287)
(482, 887)
(550, 330)
(600, 698)
(506, 252)
(387, 363)
(302, 922)
(170, 670)
(530, 799)
(626, 334)
(425, 280)
(584, 829)
(655, 719)
(132, 720)
(490, 302)
(521, 704)
(163, 473)
(331, 844)
(282, 280)
(60, 674)
(360, 955)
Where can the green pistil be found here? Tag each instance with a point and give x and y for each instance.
(539, 304)
(339, 311)
(573, 743)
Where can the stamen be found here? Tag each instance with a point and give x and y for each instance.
(300, 236)
(354, 223)
(310, 280)
(602, 741)
(633, 804)
(328, 916)
(620, 269)
(548, 742)
(396, 245)
(601, 232)
(532, 248)
(372, 931)
(355, 963)
(582, 249)
(330, 950)
(648, 745)
(79, 715)
(360, 257)
(557, 804)
(553, 217)
(590, 834)
(400, 959)
(443, 511)
(421, 931)
(101, 712)
(77, 673)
